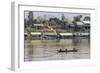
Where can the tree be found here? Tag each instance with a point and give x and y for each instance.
(64, 20)
(39, 20)
(25, 23)
(29, 30)
(87, 18)
(30, 17)
(45, 21)
(52, 21)
(34, 21)
(77, 18)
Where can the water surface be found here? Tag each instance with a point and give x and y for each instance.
(38, 50)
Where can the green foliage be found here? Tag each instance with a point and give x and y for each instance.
(55, 21)
(87, 18)
(63, 17)
(30, 17)
(78, 18)
(40, 20)
(34, 21)
(45, 22)
(29, 30)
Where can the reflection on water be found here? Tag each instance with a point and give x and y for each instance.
(36, 50)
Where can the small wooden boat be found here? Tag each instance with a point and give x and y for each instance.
(61, 51)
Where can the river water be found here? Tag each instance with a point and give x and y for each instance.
(41, 50)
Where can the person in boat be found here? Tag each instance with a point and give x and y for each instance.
(66, 50)
(74, 49)
(62, 50)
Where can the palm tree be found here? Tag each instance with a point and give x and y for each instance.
(76, 19)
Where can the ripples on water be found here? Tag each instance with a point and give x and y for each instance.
(37, 50)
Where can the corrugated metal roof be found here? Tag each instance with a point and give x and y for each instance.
(35, 33)
(49, 33)
(86, 22)
(38, 25)
(66, 34)
(79, 23)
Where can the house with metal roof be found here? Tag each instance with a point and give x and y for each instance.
(38, 26)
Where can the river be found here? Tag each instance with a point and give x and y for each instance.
(41, 50)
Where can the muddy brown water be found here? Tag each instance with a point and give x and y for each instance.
(41, 50)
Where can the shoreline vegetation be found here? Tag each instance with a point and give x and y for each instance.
(55, 28)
